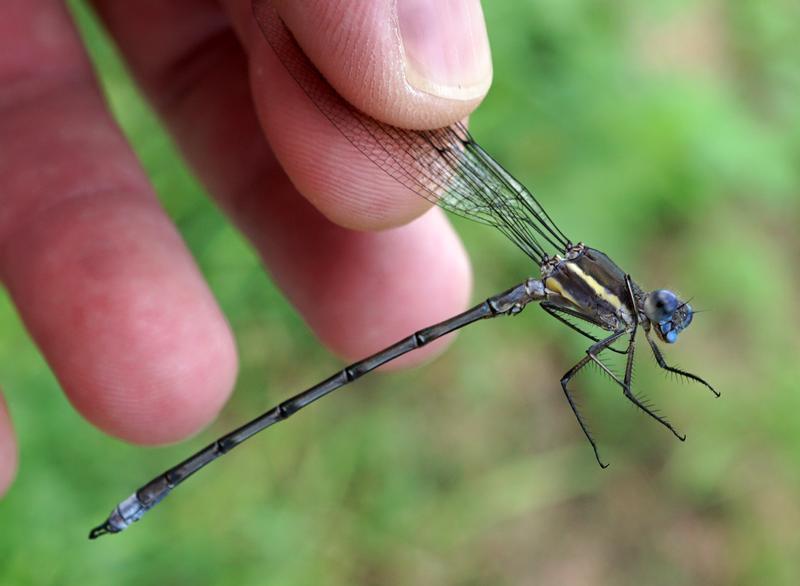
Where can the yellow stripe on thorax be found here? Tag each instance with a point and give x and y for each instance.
(553, 284)
(601, 291)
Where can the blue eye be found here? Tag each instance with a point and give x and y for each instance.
(660, 305)
(671, 337)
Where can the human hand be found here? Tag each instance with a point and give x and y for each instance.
(99, 274)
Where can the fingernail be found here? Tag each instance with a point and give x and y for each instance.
(445, 47)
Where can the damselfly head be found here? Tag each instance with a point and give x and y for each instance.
(668, 314)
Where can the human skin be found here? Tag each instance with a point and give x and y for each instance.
(99, 274)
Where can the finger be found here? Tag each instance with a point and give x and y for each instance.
(365, 61)
(410, 63)
(98, 273)
(8, 449)
(357, 290)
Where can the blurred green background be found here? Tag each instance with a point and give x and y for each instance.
(667, 134)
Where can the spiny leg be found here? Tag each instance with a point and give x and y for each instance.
(663, 364)
(626, 390)
(602, 344)
(554, 310)
(626, 383)
(564, 380)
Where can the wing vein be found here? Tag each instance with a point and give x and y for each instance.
(445, 166)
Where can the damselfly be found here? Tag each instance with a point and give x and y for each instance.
(447, 167)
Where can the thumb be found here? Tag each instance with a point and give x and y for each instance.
(410, 63)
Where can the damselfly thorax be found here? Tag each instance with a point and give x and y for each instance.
(585, 280)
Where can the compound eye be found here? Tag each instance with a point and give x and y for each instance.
(660, 305)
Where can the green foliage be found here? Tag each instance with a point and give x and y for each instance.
(471, 470)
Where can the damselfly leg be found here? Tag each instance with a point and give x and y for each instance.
(663, 364)
(626, 383)
(590, 353)
(555, 311)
